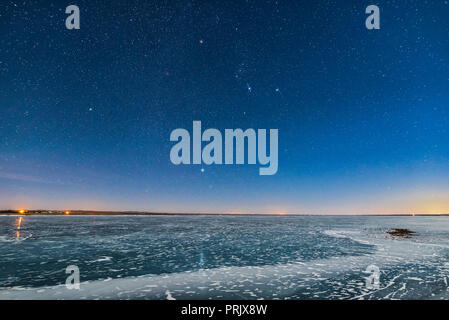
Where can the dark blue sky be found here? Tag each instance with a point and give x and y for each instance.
(86, 114)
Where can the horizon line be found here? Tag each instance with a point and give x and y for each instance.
(143, 212)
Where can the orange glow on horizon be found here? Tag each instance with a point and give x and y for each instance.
(22, 211)
(67, 212)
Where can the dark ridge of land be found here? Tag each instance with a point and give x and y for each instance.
(96, 213)
(145, 213)
(117, 213)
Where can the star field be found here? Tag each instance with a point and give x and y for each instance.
(363, 115)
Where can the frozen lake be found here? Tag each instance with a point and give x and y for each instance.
(233, 257)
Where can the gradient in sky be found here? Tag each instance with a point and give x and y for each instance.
(86, 115)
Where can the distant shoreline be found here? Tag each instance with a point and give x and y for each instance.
(143, 213)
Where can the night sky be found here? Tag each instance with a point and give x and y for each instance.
(363, 115)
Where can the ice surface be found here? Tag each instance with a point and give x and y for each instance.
(224, 258)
